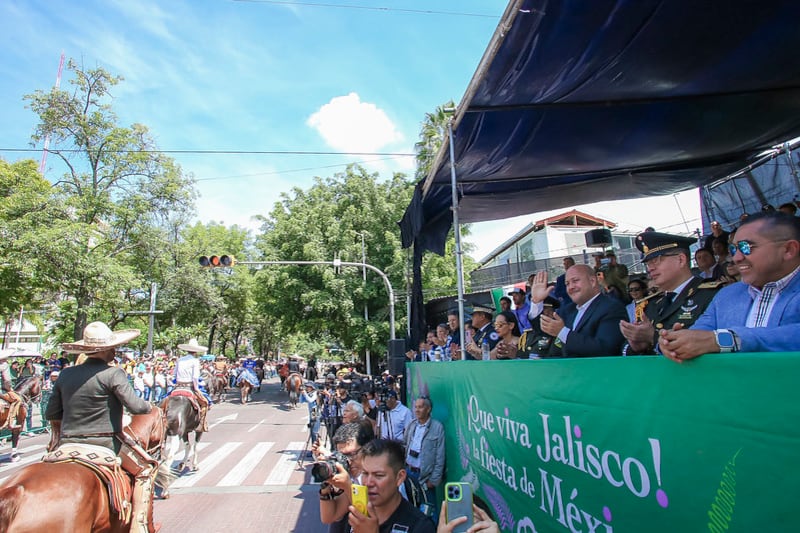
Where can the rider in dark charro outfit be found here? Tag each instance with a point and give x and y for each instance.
(86, 408)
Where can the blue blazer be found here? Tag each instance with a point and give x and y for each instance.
(731, 306)
(598, 332)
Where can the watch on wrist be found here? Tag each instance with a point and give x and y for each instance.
(725, 340)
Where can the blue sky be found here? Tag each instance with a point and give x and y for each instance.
(269, 76)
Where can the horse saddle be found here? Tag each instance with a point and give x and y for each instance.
(188, 394)
(106, 466)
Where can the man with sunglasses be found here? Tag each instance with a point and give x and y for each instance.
(683, 296)
(762, 312)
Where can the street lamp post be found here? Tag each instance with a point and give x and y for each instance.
(366, 305)
(337, 263)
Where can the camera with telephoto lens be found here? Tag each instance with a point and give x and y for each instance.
(324, 470)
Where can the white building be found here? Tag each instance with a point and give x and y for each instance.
(541, 245)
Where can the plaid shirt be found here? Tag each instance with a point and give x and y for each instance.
(764, 300)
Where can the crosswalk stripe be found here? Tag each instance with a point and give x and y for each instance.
(286, 464)
(239, 472)
(27, 459)
(256, 426)
(206, 465)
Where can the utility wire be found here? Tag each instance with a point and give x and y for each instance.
(371, 8)
(218, 152)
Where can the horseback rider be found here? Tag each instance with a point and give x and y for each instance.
(187, 375)
(86, 408)
(7, 390)
(294, 366)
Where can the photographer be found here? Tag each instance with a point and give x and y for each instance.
(309, 396)
(332, 407)
(383, 475)
(334, 493)
(394, 417)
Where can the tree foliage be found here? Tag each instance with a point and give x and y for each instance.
(118, 196)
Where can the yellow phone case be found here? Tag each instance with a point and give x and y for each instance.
(359, 498)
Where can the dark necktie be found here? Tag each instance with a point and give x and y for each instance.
(666, 301)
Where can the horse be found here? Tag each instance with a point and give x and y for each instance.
(294, 384)
(28, 388)
(182, 419)
(311, 373)
(260, 376)
(245, 388)
(217, 387)
(77, 500)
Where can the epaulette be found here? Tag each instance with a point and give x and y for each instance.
(640, 300)
(711, 285)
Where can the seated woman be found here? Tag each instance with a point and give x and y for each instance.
(505, 324)
(613, 284)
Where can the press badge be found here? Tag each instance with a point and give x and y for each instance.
(397, 528)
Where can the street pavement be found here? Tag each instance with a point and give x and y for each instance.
(248, 475)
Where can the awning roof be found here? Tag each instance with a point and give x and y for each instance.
(576, 103)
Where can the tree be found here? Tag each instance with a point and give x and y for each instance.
(25, 206)
(118, 191)
(317, 224)
(431, 136)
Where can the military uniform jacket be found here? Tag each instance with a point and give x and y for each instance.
(685, 308)
(536, 343)
(486, 333)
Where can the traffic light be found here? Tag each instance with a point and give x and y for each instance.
(217, 261)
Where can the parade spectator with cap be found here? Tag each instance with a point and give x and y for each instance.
(521, 307)
(482, 317)
(309, 397)
(682, 298)
(393, 422)
(761, 313)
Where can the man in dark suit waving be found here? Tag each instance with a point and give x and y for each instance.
(588, 325)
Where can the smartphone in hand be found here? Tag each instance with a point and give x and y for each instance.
(359, 498)
(459, 503)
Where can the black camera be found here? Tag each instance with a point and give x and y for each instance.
(324, 470)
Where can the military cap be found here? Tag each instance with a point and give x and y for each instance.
(653, 244)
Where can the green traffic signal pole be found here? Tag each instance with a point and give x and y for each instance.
(338, 263)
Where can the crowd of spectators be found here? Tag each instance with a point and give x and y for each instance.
(601, 309)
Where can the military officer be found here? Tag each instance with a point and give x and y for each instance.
(682, 297)
(482, 322)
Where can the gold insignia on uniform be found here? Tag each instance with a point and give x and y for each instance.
(645, 249)
(711, 285)
(659, 326)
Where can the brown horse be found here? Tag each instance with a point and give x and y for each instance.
(77, 500)
(294, 384)
(217, 387)
(28, 388)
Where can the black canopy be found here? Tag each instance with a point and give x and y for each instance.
(576, 102)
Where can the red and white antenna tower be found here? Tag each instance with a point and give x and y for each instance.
(43, 162)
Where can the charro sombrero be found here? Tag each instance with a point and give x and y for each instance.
(193, 346)
(98, 337)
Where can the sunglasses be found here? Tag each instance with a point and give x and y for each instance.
(636, 289)
(746, 247)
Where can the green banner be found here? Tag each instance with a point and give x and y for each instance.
(624, 444)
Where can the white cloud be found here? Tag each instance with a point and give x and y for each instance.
(349, 125)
